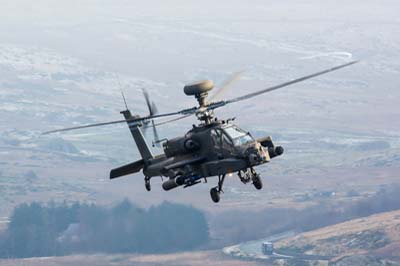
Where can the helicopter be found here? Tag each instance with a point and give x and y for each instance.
(213, 148)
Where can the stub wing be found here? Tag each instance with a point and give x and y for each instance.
(127, 169)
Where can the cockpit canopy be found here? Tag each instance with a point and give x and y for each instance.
(238, 136)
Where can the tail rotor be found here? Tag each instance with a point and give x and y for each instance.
(152, 111)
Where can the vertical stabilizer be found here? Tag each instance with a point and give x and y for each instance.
(137, 135)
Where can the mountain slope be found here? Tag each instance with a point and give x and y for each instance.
(377, 236)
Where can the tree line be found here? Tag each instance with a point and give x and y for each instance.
(52, 229)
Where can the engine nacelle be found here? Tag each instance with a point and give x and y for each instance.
(181, 145)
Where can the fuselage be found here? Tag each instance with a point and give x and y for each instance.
(208, 150)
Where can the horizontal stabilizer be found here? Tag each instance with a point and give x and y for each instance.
(127, 169)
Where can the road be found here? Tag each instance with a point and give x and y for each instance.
(252, 250)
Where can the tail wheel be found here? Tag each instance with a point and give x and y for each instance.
(257, 182)
(147, 184)
(214, 193)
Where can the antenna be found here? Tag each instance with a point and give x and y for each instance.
(122, 92)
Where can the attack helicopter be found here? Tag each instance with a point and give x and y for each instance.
(214, 147)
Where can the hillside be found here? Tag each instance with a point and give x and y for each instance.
(376, 236)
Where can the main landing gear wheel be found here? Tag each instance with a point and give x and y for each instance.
(257, 182)
(147, 184)
(255, 177)
(215, 192)
(215, 195)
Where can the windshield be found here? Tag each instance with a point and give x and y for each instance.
(238, 136)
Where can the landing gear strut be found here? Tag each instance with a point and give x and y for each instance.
(216, 191)
(147, 183)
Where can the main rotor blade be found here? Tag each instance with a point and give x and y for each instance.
(250, 95)
(133, 120)
(190, 111)
(171, 120)
(84, 126)
(226, 85)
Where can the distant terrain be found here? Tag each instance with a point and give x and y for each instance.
(63, 64)
(376, 237)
